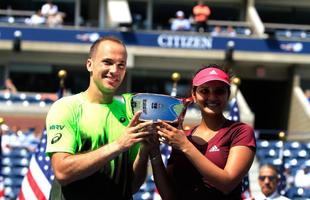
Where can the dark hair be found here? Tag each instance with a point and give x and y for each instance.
(95, 45)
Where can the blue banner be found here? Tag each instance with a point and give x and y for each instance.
(157, 39)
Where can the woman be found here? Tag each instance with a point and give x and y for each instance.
(209, 161)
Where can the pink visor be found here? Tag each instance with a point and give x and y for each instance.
(210, 74)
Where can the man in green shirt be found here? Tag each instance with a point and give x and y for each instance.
(96, 151)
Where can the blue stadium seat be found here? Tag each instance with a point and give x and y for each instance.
(13, 181)
(276, 144)
(297, 192)
(295, 153)
(272, 161)
(307, 146)
(143, 196)
(11, 192)
(11, 161)
(14, 171)
(17, 152)
(263, 144)
(267, 153)
(292, 145)
(298, 34)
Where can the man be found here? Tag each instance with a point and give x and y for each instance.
(201, 14)
(268, 180)
(302, 177)
(49, 8)
(180, 23)
(93, 146)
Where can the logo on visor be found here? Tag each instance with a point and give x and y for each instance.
(213, 72)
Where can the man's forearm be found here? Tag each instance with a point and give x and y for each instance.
(69, 168)
(139, 170)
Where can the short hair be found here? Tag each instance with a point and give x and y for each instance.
(268, 165)
(95, 45)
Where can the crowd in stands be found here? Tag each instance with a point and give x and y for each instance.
(183, 23)
(197, 20)
(48, 15)
(17, 147)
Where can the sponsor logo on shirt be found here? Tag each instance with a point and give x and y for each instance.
(57, 127)
(122, 119)
(214, 149)
(56, 138)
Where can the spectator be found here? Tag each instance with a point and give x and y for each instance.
(201, 14)
(180, 23)
(52, 15)
(289, 177)
(55, 20)
(230, 31)
(268, 180)
(14, 138)
(33, 137)
(49, 9)
(9, 86)
(36, 19)
(302, 178)
(216, 31)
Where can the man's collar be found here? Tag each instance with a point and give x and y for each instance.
(273, 195)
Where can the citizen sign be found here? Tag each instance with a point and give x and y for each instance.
(184, 41)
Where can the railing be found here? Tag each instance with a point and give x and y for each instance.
(10, 12)
(287, 26)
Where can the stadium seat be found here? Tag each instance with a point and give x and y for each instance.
(263, 144)
(143, 196)
(13, 181)
(276, 144)
(14, 171)
(11, 192)
(15, 162)
(17, 152)
(297, 192)
(267, 153)
(8, 161)
(292, 145)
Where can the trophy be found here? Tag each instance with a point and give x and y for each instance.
(157, 107)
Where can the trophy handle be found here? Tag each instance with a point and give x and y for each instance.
(186, 102)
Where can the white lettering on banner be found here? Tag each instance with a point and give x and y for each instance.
(183, 41)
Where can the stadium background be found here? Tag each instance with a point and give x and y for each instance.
(270, 55)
